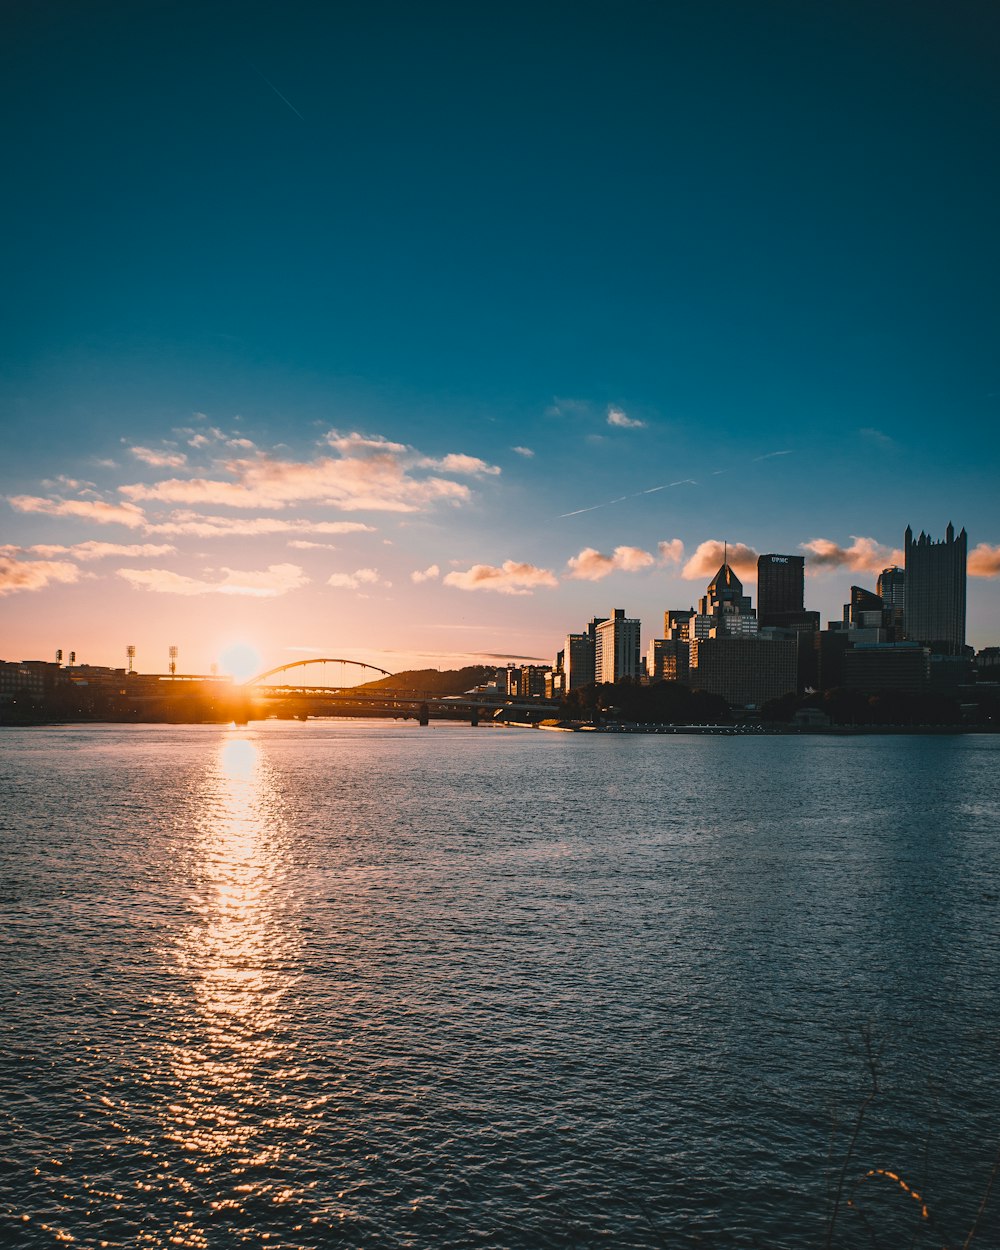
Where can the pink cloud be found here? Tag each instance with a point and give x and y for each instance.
(671, 551)
(591, 565)
(377, 482)
(511, 578)
(355, 580)
(425, 575)
(85, 509)
(709, 556)
(159, 459)
(99, 551)
(18, 575)
(864, 555)
(268, 583)
(186, 522)
(618, 418)
(984, 561)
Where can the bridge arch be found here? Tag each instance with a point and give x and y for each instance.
(284, 668)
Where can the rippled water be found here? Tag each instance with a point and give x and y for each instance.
(366, 984)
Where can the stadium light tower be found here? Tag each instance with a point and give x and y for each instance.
(130, 652)
(173, 660)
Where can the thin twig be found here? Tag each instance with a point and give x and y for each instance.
(982, 1205)
(871, 1059)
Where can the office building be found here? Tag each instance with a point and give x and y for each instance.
(725, 602)
(780, 589)
(667, 659)
(617, 651)
(934, 590)
(746, 672)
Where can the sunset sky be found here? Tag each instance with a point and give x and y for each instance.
(423, 333)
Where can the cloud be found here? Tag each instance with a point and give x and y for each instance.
(455, 462)
(864, 555)
(591, 565)
(377, 482)
(86, 509)
(511, 578)
(18, 575)
(186, 522)
(770, 455)
(524, 451)
(303, 544)
(563, 407)
(871, 435)
(99, 551)
(708, 558)
(425, 575)
(268, 583)
(984, 561)
(617, 417)
(357, 444)
(159, 459)
(671, 551)
(355, 580)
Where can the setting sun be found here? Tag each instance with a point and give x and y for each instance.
(239, 660)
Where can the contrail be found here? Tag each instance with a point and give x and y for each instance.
(282, 98)
(770, 456)
(685, 481)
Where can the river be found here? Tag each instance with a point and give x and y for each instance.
(359, 983)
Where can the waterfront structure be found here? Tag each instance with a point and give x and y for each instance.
(746, 671)
(617, 650)
(667, 659)
(887, 666)
(780, 589)
(934, 590)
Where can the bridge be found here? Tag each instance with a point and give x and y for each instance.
(303, 699)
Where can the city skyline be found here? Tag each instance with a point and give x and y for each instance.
(427, 355)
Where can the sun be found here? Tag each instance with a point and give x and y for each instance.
(239, 660)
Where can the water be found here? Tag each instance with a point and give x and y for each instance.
(366, 984)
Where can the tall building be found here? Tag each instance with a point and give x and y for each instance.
(617, 652)
(891, 589)
(934, 592)
(780, 589)
(580, 655)
(745, 671)
(725, 601)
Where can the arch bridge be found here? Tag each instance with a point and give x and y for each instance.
(285, 668)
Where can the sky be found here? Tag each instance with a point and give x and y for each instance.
(421, 334)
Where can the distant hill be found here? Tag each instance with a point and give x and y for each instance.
(434, 681)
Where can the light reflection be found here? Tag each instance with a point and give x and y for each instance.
(232, 1063)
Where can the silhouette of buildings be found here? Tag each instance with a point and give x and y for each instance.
(935, 590)
(780, 589)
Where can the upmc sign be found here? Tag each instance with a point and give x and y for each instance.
(779, 559)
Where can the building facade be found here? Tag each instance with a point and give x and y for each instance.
(746, 672)
(780, 589)
(617, 651)
(934, 590)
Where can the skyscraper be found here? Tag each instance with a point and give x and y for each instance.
(780, 589)
(617, 648)
(935, 590)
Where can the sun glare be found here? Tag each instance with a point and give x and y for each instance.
(239, 660)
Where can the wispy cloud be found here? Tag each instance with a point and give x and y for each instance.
(524, 451)
(708, 558)
(201, 526)
(159, 459)
(425, 575)
(871, 435)
(275, 580)
(510, 578)
(84, 509)
(18, 575)
(984, 561)
(592, 565)
(769, 456)
(370, 473)
(98, 551)
(864, 555)
(355, 580)
(618, 417)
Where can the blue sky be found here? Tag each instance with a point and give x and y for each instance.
(747, 248)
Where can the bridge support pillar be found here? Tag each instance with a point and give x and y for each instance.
(474, 717)
(423, 714)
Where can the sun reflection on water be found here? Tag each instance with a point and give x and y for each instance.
(233, 1066)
